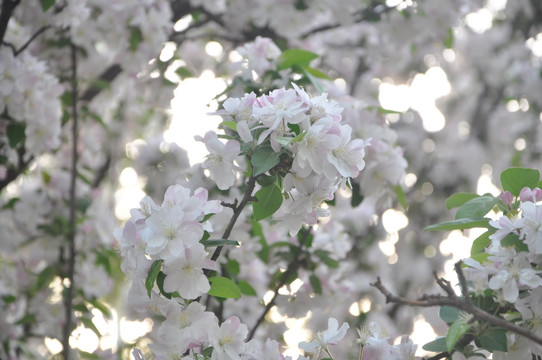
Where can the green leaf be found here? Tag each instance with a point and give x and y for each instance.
(285, 141)
(437, 345)
(313, 81)
(515, 179)
(151, 276)
(480, 243)
(183, 72)
(218, 242)
(317, 73)
(513, 240)
(476, 208)
(357, 197)
(233, 267)
(27, 319)
(448, 313)
(264, 159)
(46, 276)
(16, 134)
(401, 196)
(316, 284)
(207, 352)
(90, 325)
(292, 57)
(269, 201)
(101, 306)
(456, 332)
(459, 224)
(246, 288)
(8, 299)
(456, 200)
(135, 37)
(383, 111)
(224, 288)
(229, 124)
(11, 203)
(449, 41)
(494, 340)
(46, 4)
(87, 355)
(160, 283)
(324, 256)
(81, 308)
(266, 180)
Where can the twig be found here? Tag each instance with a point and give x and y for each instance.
(32, 38)
(247, 197)
(457, 302)
(292, 267)
(68, 299)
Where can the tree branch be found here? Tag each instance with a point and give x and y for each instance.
(292, 267)
(247, 197)
(32, 38)
(69, 274)
(460, 303)
(7, 10)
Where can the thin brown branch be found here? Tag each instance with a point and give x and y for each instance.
(247, 197)
(457, 302)
(69, 274)
(32, 38)
(292, 268)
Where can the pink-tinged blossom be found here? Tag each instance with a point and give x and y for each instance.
(220, 160)
(269, 351)
(187, 325)
(167, 230)
(278, 109)
(531, 232)
(262, 54)
(347, 158)
(323, 339)
(311, 152)
(505, 226)
(228, 339)
(185, 274)
(320, 107)
(514, 275)
(532, 195)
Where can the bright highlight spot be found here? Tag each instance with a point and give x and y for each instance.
(191, 106)
(480, 21)
(130, 330)
(394, 220)
(421, 95)
(422, 333)
(214, 49)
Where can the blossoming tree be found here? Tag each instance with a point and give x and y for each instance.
(326, 103)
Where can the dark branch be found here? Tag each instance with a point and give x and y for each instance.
(69, 275)
(457, 302)
(7, 10)
(32, 38)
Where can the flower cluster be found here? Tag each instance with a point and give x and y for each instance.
(514, 248)
(170, 235)
(29, 97)
(295, 138)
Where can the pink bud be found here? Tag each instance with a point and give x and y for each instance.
(507, 198)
